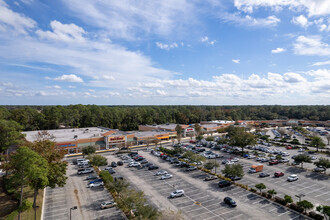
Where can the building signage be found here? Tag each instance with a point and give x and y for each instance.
(66, 145)
(120, 138)
(190, 129)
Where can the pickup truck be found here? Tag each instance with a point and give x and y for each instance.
(84, 171)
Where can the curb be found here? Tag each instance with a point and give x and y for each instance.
(43, 205)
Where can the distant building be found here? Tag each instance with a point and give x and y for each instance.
(186, 129)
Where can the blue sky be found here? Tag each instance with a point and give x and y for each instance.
(195, 52)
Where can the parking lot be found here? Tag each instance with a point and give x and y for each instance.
(314, 186)
(204, 200)
(58, 201)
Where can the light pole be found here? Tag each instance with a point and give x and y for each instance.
(300, 196)
(73, 208)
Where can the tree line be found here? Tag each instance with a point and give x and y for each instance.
(129, 117)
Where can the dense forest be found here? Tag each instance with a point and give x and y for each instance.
(129, 117)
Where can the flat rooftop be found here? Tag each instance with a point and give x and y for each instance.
(140, 134)
(62, 135)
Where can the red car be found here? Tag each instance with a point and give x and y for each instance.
(278, 174)
(288, 147)
(191, 141)
(273, 162)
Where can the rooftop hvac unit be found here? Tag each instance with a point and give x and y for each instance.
(75, 137)
(73, 130)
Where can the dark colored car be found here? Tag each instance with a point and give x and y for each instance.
(224, 183)
(264, 175)
(230, 201)
(120, 163)
(319, 169)
(118, 178)
(112, 171)
(183, 164)
(153, 167)
(144, 161)
(273, 162)
(278, 174)
(113, 164)
(311, 152)
(95, 181)
(133, 154)
(191, 168)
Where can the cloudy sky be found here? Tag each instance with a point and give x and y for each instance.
(195, 52)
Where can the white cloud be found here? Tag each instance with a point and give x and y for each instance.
(206, 40)
(57, 87)
(72, 87)
(69, 78)
(12, 21)
(301, 20)
(236, 60)
(166, 46)
(128, 18)
(321, 63)
(249, 21)
(63, 32)
(293, 78)
(313, 7)
(311, 45)
(278, 50)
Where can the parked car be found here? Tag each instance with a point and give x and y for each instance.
(273, 162)
(233, 178)
(264, 175)
(95, 184)
(134, 164)
(230, 201)
(319, 169)
(153, 167)
(108, 204)
(113, 164)
(161, 172)
(166, 176)
(108, 168)
(85, 170)
(292, 178)
(91, 177)
(111, 171)
(209, 178)
(284, 160)
(177, 193)
(94, 181)
(120, 163)
(235, 159)
(278, 174)
(191, 168)
(224, 183)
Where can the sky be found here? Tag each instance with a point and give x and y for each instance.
(165, 52)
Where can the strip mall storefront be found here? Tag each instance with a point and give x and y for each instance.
(77, 146)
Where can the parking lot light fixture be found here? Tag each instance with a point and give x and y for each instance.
(72, 208)
(300, 196)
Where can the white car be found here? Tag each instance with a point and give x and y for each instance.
(229, 163)
(235, 159)
(95, 184)
(313, 158)
(264, 160)
(292, 177)
(251, 156)
(177, 193)
(284, 160)
(166, 176)
(108, 204)
(134, 164)
(161, 172)
(301, 150)
(285, 154)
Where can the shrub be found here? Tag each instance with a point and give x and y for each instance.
(253, 190)
(264, 194)
(296, 207)
(288, 199)
(106, 176)
(315, 215)
(280, 200)
(26, 204)
(12, 215)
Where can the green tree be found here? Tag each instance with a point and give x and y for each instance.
(325, 210)
(317, 142)
(324, 163)
(210, 164)
(106, 177)
(98, 160)
(130, 199)
(22, 165)
(56, 165)
(302, 158)
(147, 212)
(88, 150)
(210, 138)
(260, 186)
(295, 141)
(272, 192)
(288, 199)
(305, 205)
(198, 129)
(10, 134)
(233, 170)
(279, 157)
(240, 138)
(199, 137)
(178, 130)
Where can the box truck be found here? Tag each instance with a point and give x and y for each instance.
(256, 168)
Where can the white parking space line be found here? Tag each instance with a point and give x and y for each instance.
(283, 213)
(322, 194)
(272, 209)
(306, 187)
(266, 205)
(315, 190)
(235, 217)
